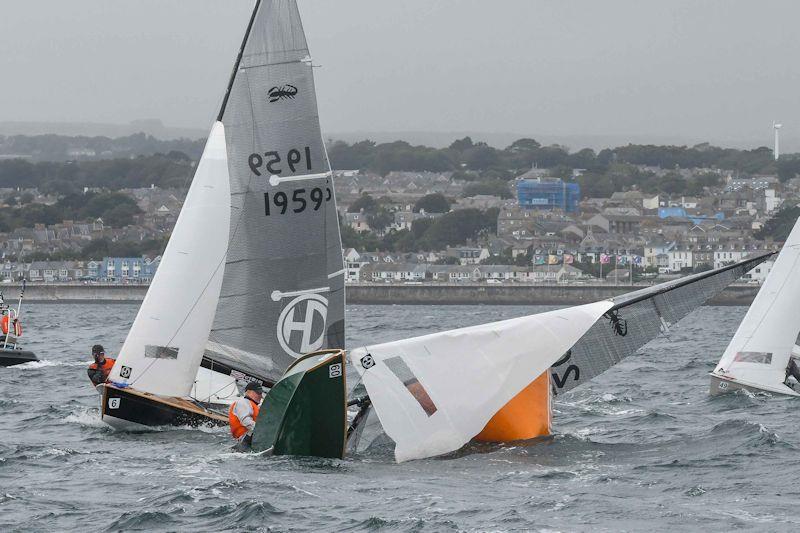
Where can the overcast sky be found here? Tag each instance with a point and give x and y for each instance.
(719, 70)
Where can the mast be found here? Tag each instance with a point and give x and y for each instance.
(238, 61)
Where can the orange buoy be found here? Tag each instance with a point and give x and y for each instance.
(526, 416)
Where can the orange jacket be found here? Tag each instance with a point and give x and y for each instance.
(99, 373)
(4, 326)
(237, 428)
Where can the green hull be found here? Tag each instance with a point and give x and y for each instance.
(305, 413)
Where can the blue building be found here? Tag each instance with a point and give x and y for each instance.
(548, 193)
(138, 269)
(679, 212)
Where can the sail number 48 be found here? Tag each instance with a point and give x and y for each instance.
(273, 162)
(301, 199)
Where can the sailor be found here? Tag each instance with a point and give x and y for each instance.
(10, 327)
(792, 370)
(101, 368)
(243, 414)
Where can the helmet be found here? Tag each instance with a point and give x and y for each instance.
(255, 387)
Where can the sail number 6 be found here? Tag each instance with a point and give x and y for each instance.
(300, 201)
(273, 162)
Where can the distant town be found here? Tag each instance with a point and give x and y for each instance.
(86, 210)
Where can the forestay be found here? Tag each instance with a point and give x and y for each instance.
(639, 317)
(759, 352)
(164, 347)
(436, 392)
(283, 287)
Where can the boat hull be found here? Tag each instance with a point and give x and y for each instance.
(130, 410)
(720, 386)
(10, 357)
(527, 416)
(305, 413)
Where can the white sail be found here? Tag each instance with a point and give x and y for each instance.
(759, 352)
(165, 345)
(436, 392)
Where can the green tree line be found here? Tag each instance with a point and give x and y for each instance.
(465, 155)
(163, 170)
(115, 208)
(58, 147)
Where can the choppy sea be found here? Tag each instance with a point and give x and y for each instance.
(641, 448)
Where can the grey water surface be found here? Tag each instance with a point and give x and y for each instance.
(642, 447)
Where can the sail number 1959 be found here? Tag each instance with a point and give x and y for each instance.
(298, 200)
(276, 163)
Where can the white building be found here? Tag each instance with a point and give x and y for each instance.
(680, 258)
(761, 272)
(726, 257)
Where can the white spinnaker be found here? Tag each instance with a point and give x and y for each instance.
(165, 345)
(436, 392)
(759, 351)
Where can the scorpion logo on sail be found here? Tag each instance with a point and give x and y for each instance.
(284, 92)
(619, 325)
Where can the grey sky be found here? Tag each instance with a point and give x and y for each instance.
(643, 70)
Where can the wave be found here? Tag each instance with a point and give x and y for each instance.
(45, 363)
(141, 520)
(753, 434)
(89, 417)
(249, 513)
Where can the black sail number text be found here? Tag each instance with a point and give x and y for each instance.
(571, 370)
(275, 163)
(296, 201)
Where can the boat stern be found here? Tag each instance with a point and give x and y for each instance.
(127, 409)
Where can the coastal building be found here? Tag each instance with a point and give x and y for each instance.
(548, 194)
(679, 258)
(139, 269)
(468, 255)
(396, 272)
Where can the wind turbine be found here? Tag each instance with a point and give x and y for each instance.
(777, 127)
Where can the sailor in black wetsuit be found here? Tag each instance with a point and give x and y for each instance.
(793, 370)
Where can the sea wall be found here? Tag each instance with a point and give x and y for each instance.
(75, 292)
(465, 294)
(425, 294)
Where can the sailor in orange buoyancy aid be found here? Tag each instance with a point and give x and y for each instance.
(10, 327)
(243, 413)
(101, 368)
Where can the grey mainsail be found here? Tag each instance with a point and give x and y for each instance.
(639, 317)
(283, 285)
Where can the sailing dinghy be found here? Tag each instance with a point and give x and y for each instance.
(759, 354)
(435, 393)
(252, 277)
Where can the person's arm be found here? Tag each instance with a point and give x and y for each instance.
(244, 412)
(95, 375)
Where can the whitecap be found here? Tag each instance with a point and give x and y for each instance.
(34, 365)
(88, 418)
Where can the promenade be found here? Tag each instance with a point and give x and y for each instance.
(389, 293)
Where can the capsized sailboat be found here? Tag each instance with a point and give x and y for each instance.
(760, 352)
(253, 276)
(435, 393)
(11, 353)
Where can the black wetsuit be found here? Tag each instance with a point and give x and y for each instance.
(792, 370)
